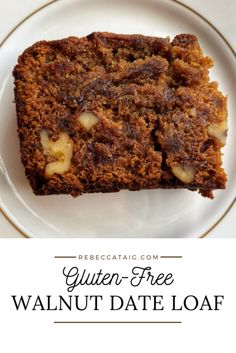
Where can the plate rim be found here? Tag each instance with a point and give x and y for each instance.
(7, 217)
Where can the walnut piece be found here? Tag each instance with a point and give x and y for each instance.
(87, 120)
(62, 150)
(193, 112)
(219, 131)
(185, 174)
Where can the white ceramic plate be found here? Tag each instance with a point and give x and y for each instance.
(153, 213)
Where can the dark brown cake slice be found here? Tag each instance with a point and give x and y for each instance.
(108, 112)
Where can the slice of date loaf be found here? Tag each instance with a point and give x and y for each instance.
(108, 112)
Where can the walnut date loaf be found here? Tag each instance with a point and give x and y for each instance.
(108, 112)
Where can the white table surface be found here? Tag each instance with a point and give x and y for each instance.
(221, 13)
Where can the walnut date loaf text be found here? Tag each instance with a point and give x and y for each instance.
(108, 112)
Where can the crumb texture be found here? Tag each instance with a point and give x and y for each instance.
(108, 112)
